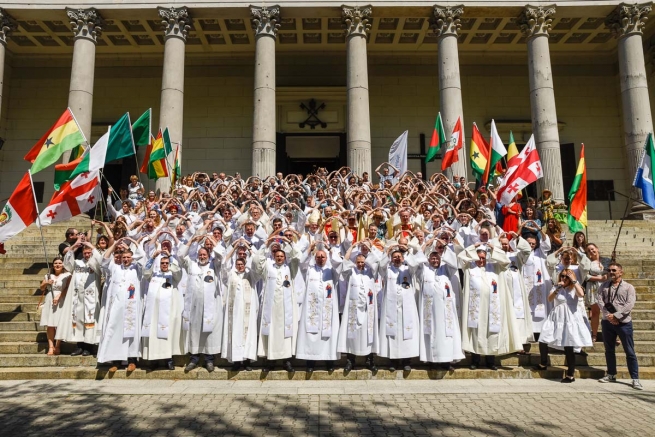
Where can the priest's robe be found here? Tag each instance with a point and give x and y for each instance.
(240, 321)
(516, 286)
(538, 284)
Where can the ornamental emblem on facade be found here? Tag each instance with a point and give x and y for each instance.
(5, 216)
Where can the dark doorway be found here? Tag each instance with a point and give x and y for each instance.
(569, 167)
(304, 152)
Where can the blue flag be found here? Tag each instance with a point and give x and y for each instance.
(644, 176)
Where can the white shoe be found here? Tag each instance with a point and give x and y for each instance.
(608, 378)
(637, 385)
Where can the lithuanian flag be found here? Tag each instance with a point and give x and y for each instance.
(577, 218)
(479, 154)
(438, 139)
(154, 164)
(64, 135)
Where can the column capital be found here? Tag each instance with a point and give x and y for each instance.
(265, 20)
(536, 20)
(175, 22)
(86, 23)
(356, 19)
(445, 20)
(628, 19)
(7, 25)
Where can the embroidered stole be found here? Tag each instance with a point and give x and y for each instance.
(320, 295)
(394, 286)
(479, 278)
(88, 295)
(538, 293)
(209, 284)
(361, 305)
(130, 310)
(275, 278)
(434, 284)
(239, 305)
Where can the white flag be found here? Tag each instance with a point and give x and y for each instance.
(398, 153)
(75, 197)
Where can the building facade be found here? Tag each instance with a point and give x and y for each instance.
(259, 88)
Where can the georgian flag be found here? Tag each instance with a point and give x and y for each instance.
(526, 170)
(75, 197)
(19, 212)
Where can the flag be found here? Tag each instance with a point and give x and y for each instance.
(19, 212)
(168, 146)
(64, 135)
(94, 158)
(525, 170)
(120, 143)
(77, 152)
(456, 140)
(154, 164)
(577, 217)
(75, 197)
(497, 149)
(398, 153)
(141, 129)
(64, 171)
(177, 168)
(512, 150)
(438, 139)
(644, 177)
(479, 154)
(146, 159)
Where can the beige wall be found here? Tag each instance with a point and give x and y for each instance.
(403, 95)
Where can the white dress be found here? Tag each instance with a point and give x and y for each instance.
(567, 325)
(52, 313)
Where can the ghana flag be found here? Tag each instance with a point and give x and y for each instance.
(577, 218)
(64, 135)
(438, 139)
(479, 154)
(154, 164)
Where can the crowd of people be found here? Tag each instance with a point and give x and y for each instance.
(329, 264)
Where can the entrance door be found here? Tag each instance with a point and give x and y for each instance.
(303, 153)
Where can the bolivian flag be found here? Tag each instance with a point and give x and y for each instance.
(154, 164)
(479, 154)
(64, 135)
(577, 218)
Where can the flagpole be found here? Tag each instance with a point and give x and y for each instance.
(38, 219)
(78, 127)
(102, 176)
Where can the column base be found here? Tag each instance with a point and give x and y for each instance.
(641, 212)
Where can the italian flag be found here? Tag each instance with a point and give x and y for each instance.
(497, 152)
(437, 140)
(19, 212)
(577, 218)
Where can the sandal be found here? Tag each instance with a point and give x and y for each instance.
(51, 351)
(57, 351)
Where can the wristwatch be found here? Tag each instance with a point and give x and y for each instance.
(574, 282)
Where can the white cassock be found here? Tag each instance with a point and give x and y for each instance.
(450, 268)
(399, 320)
(202, 317)
(487, 327)
(441, 339)
(279, 311)
(240, 321)
(318, 330)
(121, 332)
(78, 322)
(538, 283)
(162, 318)
(516, 286)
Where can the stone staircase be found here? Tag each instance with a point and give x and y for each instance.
(23, 341)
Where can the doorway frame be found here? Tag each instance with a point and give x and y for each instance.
(282, 159)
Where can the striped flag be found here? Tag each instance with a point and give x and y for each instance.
(577, 217)
(497, 149)
(19, 212)
(154, 163)
(644, 177)
(479, 154)
(438, 139)
(451, 155)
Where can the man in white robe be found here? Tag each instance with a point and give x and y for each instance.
(82, 307)
(202, 317)
(279, 311)
(441, 339)
(487, 328)
(162, 319)
(121, 334)
(537, 281)
(399, 320)
(319, 321)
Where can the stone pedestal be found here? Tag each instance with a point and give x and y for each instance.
(7, 25)
(265, 23)
(626, 23)
(356, 20)
(535, 23)
(86, 24)
(176, 23)
(446, 25)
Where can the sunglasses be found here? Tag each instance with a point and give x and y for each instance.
(613, 270)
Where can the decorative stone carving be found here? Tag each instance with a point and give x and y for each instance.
(536, 20)
(356, 19)
(86, 23)
(7, 25)
(265, 20)
(445, 21)
(628, 19)
(176, 22)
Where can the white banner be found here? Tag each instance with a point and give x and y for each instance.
(398, 153)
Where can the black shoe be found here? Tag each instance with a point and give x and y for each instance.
(267, 366)
(348, 367)
(189, 367)
(370, 364)
(568, 379)
(473, 367)
(392, 368)
(330, 366)
(86, 353)
(309, 370)
(236, 366)
(289, 368)
(407, 368)
(209, 365)
(247, 367)
(77, 352)
(170, 365)
(540, 367)
(493, 367)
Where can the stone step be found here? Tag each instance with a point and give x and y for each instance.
(17, 316)
(645, 305)
(6, 259)
(18, 300)
(641, 347)
(643, 314)
(23, 336)
(21, 326)
(645, 325)
(23, 347)
(18, 271)
(20, 292)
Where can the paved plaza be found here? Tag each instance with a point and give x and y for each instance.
(325, 408)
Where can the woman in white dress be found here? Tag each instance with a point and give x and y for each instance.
(567, 325)
(596, 275)
(54, 286)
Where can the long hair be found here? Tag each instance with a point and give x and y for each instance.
(51, 271)
(575, 240)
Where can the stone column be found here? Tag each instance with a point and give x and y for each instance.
(626, 23)
(357, 22)
(446, 25)
(176, 23)
(7, 25)
(265, 23)
(86, 24)
(535, 23)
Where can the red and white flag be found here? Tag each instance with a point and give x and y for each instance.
(451, 155)
(525, 169)
(19, 212)
(74, 197)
